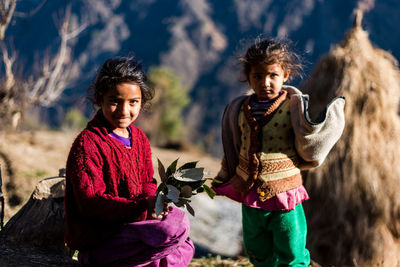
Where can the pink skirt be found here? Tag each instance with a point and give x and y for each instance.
(150, 243)
(283, 201)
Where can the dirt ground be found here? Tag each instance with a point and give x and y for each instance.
(28, 157)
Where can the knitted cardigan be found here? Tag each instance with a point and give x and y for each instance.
(267, 155)
(313, 140)
(106, 184)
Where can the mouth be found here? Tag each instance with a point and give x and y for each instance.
(267, 90)
(123, 118)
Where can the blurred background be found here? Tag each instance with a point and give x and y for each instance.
(189, 49)
(51, 50)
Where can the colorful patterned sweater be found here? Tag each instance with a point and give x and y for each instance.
(267, 154)
(106, 184)
(250, 158)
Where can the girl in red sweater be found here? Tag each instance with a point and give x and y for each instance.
(110, 189)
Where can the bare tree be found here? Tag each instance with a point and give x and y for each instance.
(10, 90)
(55, 73)
(45, 87)
(7, 8)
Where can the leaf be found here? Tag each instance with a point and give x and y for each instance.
(161, 171)
(173, 193)
(215, 180)
(181, 202)
(174, 182)
(210, 192)
(177, 175)
(200, 190)
(190, 175)
(197, 184)
(160, 203)
(189, 165)
(190, 209)
(171, 168)
(186, 191)
(161, 187)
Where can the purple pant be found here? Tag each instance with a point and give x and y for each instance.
(151, 243)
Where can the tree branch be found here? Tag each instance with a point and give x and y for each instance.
(8, 65)
(7, 8)
(31, 13)
(55, 73)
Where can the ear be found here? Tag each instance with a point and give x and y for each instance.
(286, 75)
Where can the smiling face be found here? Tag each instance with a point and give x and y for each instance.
(267, 80)
(121, 106)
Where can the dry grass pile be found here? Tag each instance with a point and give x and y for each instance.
(354, 211)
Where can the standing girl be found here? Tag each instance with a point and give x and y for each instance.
(110, 189)
(268, 139)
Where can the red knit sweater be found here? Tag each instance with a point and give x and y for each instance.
(106, 184)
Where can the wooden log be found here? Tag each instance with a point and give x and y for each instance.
(40, 222)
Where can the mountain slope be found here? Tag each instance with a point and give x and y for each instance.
(199, 40)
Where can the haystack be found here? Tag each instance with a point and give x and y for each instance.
(354, 210)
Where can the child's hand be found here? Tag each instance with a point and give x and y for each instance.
(151, 211)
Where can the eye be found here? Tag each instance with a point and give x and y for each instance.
(134, 102)
(112, 101)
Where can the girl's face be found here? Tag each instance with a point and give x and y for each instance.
(121, 106)
(267, 80)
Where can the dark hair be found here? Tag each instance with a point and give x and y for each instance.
(115, 71)
(271, 51)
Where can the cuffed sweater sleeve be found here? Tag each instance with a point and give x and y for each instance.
(314, 140)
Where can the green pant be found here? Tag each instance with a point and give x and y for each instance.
(275, 238)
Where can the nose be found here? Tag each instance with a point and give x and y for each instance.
(124, 109)
(267, 81)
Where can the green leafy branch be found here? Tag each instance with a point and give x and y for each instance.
(179, 185)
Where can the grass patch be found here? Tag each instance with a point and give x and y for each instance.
(217, 261)
(36, 174)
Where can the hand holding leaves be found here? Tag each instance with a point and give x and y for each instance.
(151, 213)
(178, 185)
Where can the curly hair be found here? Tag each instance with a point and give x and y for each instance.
(271, 51)
(116, 71)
